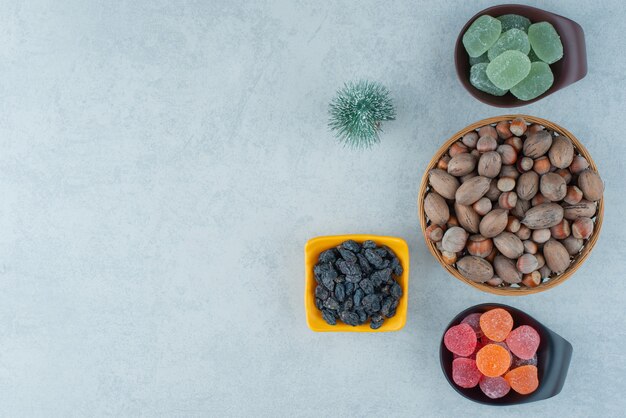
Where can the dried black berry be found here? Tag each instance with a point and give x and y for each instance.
(385, 290)
(381, 252)
(340, 292)
(328, 282)
(381, 276)
(358, 297)
(360, 311)
(349, 318)
(398, 270)
(331, 303)
(371, 303)
(374, 259)
(329, 317)
(385, 307)
(321, 292)
(366, 268)
(367, 286)
(391, 313)
(353, 278)
(349, 268)
(319, 303)
(346, 254)
(395, 303)
(351, 245)
(347, 305)
(396, 291)
(340, 279)
(349, 288)
(369, 244)
(376, 324)
(328, 256)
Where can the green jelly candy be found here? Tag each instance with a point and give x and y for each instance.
(537, 82)
(514, 22)
(478, 60)
(479, 79)
(512, 39)
(545, 42)
(532, 56)
(508, 69)
(481, 35)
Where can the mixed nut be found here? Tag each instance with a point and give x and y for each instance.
(511, 204)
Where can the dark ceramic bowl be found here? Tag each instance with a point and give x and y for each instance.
(553, 357)
(571, 68)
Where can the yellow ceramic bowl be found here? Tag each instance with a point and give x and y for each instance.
(312, 250)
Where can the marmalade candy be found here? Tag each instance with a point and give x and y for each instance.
(523, 379)
(496, 324)
(493, 360)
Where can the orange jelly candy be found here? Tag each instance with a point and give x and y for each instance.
(496, 324)
(493, 360)
(523, 379)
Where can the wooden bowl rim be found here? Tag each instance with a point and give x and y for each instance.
(522, 290)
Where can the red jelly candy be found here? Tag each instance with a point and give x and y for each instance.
(479, 345)
(494, 387)
(523, 362)
(460, 339)
(465, 373)
(523, 341)
(473, 320)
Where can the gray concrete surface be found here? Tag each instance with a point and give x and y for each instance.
(163, 163)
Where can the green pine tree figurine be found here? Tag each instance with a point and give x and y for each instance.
(357, 112)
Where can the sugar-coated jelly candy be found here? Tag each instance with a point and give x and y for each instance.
(508, 69)
(523, 341)
(512, 21)
(465, 373)
(537, 82)
(513, 39)
(546, 42)
(479, 345)
(496, 324)
(460, 339)
(473, 320)
(494, 387)
(524, 362)
(479, 79)
(523, 379)
(533, 57)
(478, 60)
(481, 35)
(493, 360)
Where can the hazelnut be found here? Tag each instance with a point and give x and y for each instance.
(494, 281)
(482, 206)
(541, 235)
(534, 128)
(508, 154)
(435, 232)
(538, 199)
(502, 128)
(513, 224)
(492, 255)
(454, 239)
(572, 244)
(541, 165)
(532, 279)
(488, 130)
(509, 171)
(486, 144)
(565, 173)
(525, 164)
(506, 184)
(456, 149)
(443, 162)
(578, 165)
(515, 142)
(527, 263)
(582, 228)
(530, 247)
(541, 261)
(475, 153)
(573, 195)
(470, 139)
(507, 200)
(518, 126)
(452, 221)
(523, 233)
(448, 257)
(545, 272)
(561, 230)
(479, 246)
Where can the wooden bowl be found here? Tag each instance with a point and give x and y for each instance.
(568, 70)
(522, 290)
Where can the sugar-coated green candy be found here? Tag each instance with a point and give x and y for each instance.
(512, 39)
(481, 35)
(514, 22)
(546, 42)
(532, 56)
(508, 69)
(479, 79)
(478, 60)
(537, 82)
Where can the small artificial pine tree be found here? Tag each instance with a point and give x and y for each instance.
(357, 112)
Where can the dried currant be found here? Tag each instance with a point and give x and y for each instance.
(346, 254)
(349, 318)
(331, 303)
(328, 256)
(358, 297)
(366, 268)
(351, 245)
(396, 291)
(369, 244)
(349, 288)
(329, 317)
(321, 292)
(340, 292)
(367, 286)
(373, 258)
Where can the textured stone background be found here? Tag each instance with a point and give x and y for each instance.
(163, 163)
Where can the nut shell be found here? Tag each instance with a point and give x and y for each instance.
(467, 217)
(482, 206)
(561, 152)
(434, 232)
(542, 216)
(527, 263)
(557, 257)
(537, 144)
(479, 246)
(436, 208)
(472, 190)
(582, 228)
(582, 209)
(454, 239)
(462, 164)
(493, 223)
(527, 185)
(591, 185)
(518, 126)
(509, 245)
(475, 268)
(490, 164)
(572, 244)
(553, 187)
(443, 183)
(506, 270)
